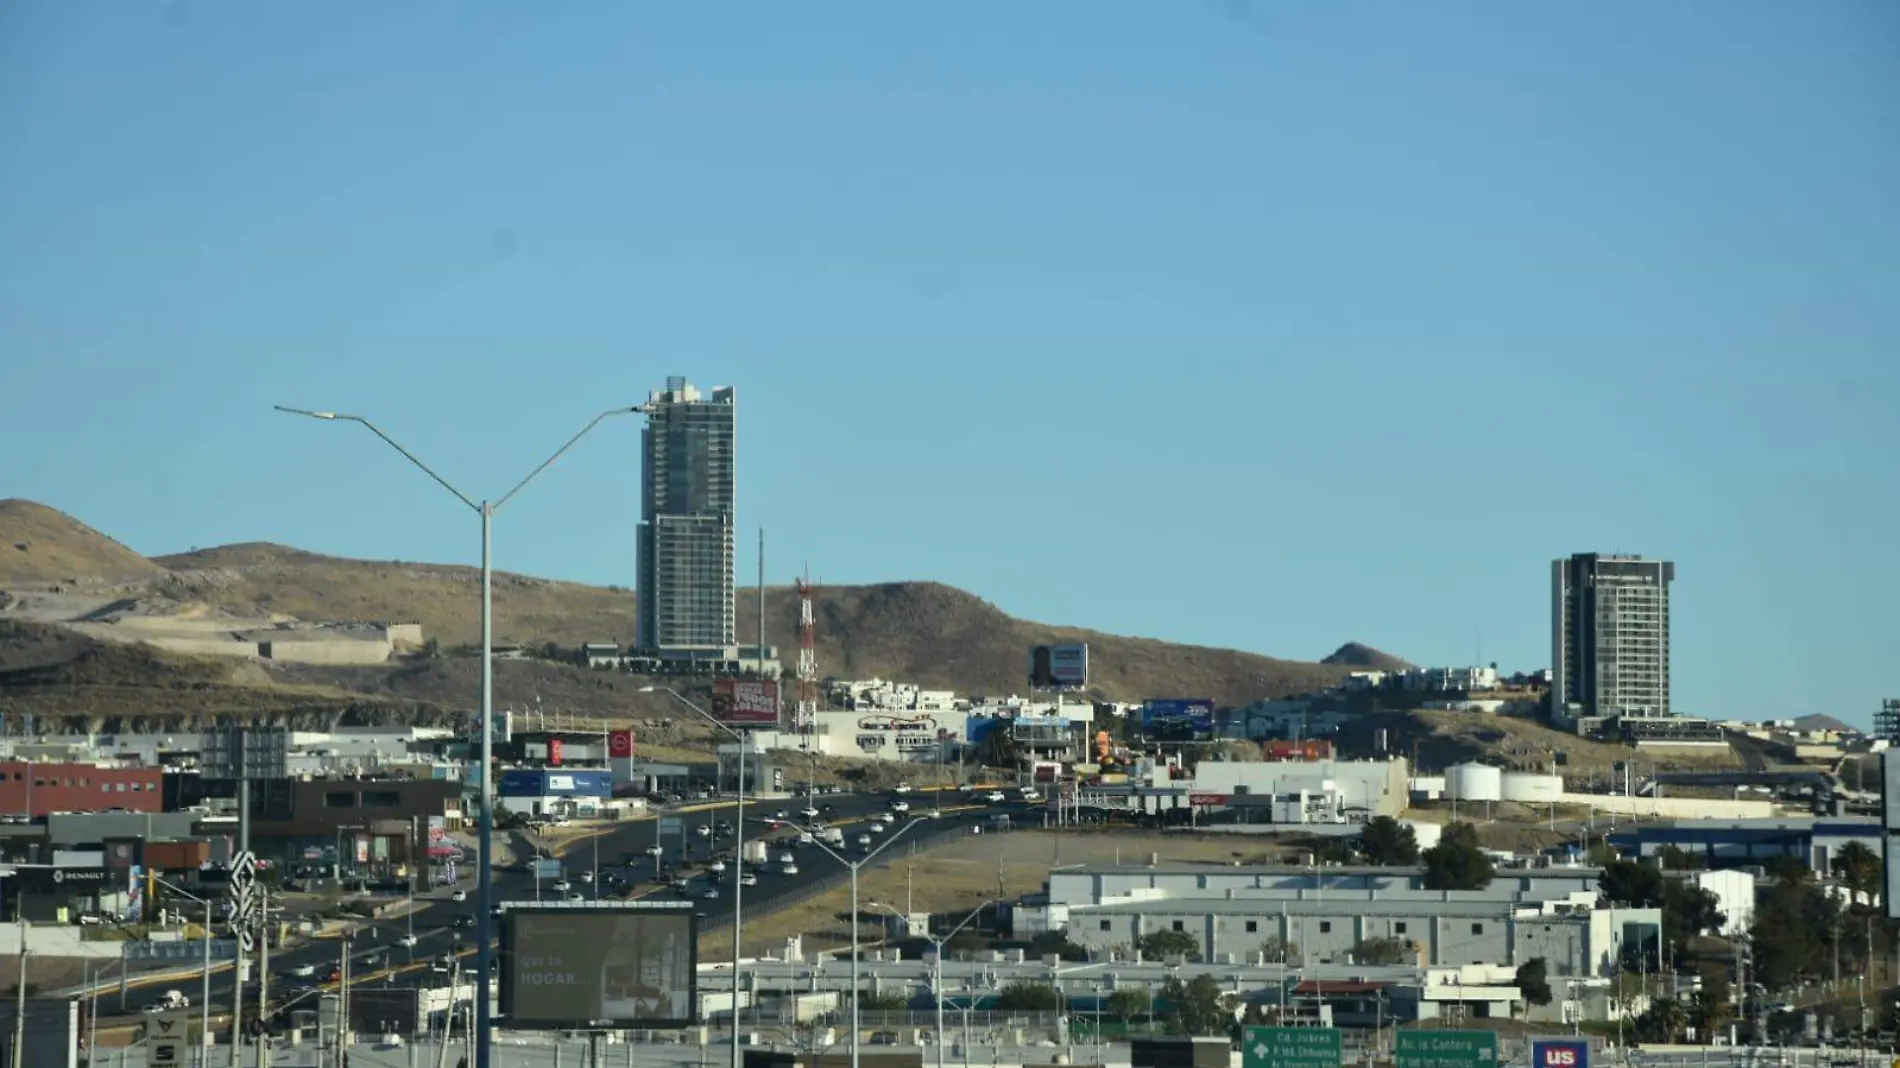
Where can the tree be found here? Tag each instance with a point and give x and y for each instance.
(1025, 996)
(1277, 950)
(1632, 883)
(1159, 945)
(1858, 870)
(1791, 935)
(1387, 841)
(1533, 981)
(1710, 1008)
(1664, 1021)
(1673, 859)
(1057, 943)
(1125, 1005)
(1196, 1008)
(1381, 951)
(1457, 862)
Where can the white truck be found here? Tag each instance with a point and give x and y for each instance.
(835, 836)
(754, 852)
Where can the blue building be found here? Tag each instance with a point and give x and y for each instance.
(1744, 843)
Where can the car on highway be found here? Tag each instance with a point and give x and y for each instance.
(877, 827)
(788, 869)
(704, 830)
(1030, 794)
(864, 841)
(711, 894)
(301, 971)
(808, 812)
(561, 887)
(653, 851)
(444, 962)
(459, 895)
(407, 940)
(995, 797)
(749, 879)
(716, 867)
(587, 877)
(577, 896)
(464, 920)
(903, 788)
(900, 806)
(787, 858)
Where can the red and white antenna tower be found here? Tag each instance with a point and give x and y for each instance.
(805, 717)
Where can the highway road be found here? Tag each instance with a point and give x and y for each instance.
(442, 925)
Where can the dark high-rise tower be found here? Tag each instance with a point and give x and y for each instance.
(686, 523)
(1610, 634)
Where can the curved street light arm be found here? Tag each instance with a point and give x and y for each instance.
(562, 451)
(391, 442)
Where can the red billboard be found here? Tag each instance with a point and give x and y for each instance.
(557, 749)
(619, 743)
(751, 702)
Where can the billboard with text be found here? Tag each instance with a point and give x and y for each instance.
(1171, 717)
(747, 702)
(1055, 667)
(617, 967)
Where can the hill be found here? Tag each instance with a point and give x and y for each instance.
(43, 545)
(921, 632)
(1365, 658)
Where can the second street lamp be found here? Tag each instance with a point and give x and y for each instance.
(938, 944)
(484, 916)
(738, 848)
(857, 993)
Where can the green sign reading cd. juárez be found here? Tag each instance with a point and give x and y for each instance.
(1447, 1049)
(1291, 1047)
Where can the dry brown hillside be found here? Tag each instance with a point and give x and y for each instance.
(922, 632)
(446, 599)
(43, 545)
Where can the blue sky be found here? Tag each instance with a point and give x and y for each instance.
(1247, 324)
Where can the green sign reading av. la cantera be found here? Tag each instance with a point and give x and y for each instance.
(1447, 1049)
(1291, 1047)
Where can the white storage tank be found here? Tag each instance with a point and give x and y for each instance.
(1474, 782)
(1425, 834)
(1533, 787)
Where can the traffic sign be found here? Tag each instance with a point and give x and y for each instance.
(1566, 1051)
(1292, 1047)
(165, 1037)
(1447, 1049)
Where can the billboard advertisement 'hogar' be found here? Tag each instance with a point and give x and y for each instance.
(624, 966)
(748, 702)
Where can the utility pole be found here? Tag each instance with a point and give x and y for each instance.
(19, 1010)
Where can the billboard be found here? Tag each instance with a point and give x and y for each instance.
(1054, 667)
(395, 1010)
(1563, 1051)
(623, 966)
(535, 782)
(1173, 716)
(620, 744)
(747, 702)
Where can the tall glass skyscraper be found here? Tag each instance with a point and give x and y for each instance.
(686, 523)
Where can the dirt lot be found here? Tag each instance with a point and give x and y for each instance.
(959, 876)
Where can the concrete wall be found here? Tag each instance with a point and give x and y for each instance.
(197, 646)
(404, 634)
(1676, 807)
(55, 940)
(341, 651)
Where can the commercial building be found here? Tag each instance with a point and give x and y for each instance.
(1610, 635)
(550, 792)
(37, 789)
(685, 540)
(1813, 841)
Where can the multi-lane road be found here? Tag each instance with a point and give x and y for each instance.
(443, 925)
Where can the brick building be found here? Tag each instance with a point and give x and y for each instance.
(37, 789)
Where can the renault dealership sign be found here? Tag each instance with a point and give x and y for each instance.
(619, 966)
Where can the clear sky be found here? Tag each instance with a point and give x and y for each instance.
(1267, 325)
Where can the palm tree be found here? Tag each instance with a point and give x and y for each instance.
(1858, 870)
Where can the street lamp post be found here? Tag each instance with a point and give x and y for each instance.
(856, 991)
(484, 918)
(938, 944)
(738, 849)
(204, 1006)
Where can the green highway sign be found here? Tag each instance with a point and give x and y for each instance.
(1447, 1049)
(1291, 1047)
